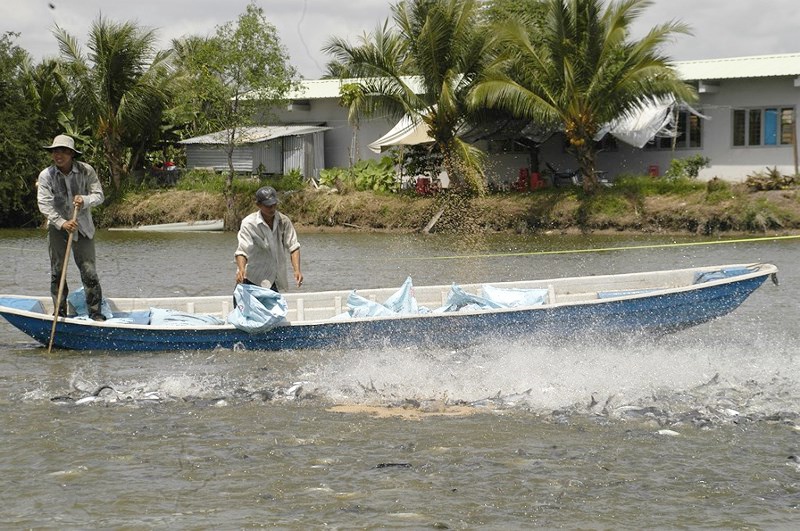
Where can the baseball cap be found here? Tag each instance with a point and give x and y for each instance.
(267, 196)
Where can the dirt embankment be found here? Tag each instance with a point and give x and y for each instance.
(701, 212)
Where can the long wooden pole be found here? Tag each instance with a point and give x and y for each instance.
(61, 282)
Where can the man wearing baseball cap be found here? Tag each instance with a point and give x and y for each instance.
(266, 238)
(63, 187)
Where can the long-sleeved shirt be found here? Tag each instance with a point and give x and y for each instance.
(56, 193)
(267, 249)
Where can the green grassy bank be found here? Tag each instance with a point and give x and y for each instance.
(639, 205)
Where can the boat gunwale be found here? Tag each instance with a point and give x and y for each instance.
(764, 269)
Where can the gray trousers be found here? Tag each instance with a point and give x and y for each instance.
(83, 253)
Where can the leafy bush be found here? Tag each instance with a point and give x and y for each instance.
(718, 191)
(201, 180)
(771, 179)
(290, 181)
(22, 157)
(687, 168)
(372, 175)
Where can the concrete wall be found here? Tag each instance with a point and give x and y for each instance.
(339, 138)
(727, 162)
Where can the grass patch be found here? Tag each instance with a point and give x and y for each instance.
(644, 186)
(638, 204)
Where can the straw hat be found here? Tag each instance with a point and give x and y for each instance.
(63, 141)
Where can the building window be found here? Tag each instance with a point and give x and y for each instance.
(689, 134)
(787, 126)
(770, 126)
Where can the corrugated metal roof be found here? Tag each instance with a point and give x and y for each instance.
(256, 134)
(740, 67)
(317, 89)
(725, 68)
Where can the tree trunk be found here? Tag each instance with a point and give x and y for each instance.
(114, 158)
(586, 163)
(229, 221)
(453, 172)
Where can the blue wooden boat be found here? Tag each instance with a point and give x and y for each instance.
(593, 307)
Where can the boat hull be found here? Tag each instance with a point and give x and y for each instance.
(215, 225)
(656, 313)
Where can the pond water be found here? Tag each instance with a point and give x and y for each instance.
(691, 430)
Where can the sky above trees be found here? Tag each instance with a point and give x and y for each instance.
(721, 28)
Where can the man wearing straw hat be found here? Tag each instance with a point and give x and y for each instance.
(67, 191)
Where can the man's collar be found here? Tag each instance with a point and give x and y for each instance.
(71, 169)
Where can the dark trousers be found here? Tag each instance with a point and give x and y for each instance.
(83, 253)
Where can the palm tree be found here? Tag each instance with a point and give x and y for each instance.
(440, 44)
(120, 89)
(353, 99)
(584, 73)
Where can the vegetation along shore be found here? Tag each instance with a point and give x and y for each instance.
(501, 70)
(767, 203)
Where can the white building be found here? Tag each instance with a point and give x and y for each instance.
(274, 150)
(744, 123)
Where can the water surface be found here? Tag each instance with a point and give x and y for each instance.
(691, 430)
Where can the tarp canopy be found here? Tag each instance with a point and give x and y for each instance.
(638, 126)
(653, 117)
(407, 132)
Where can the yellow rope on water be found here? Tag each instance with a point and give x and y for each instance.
(564, 251)
(604, 249)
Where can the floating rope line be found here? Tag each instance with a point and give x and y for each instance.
(603, 249)
(541, 253)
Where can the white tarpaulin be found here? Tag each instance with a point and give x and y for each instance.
(653, 117)
(640, 125)
(407, 132)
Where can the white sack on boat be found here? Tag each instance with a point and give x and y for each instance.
(78, 301)
(514, 297)
(458, 300)
(401, 302)
(257, 309)
(169, 317)
(358, 306)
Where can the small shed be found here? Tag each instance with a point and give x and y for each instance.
(274, 149)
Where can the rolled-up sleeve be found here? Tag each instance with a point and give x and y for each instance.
(289, 236)
(95, 196)
(246, 241)
(46, 200)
